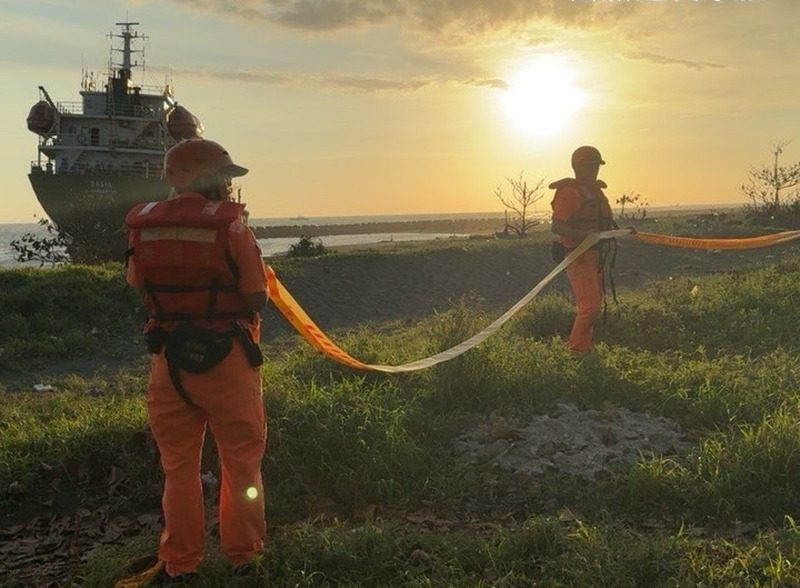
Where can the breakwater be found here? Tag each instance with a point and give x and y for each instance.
(452, 226)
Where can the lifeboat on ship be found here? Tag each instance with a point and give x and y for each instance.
(182, 124)
(41, 118)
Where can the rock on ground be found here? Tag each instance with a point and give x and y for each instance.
(569, 441)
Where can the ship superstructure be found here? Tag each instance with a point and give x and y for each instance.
(100, 156)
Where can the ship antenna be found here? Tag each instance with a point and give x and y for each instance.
(128, 34)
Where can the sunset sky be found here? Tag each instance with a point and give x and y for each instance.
(358, 107)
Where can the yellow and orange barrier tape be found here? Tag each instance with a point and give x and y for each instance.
(718, 243)
(303, 323)
(300, 320)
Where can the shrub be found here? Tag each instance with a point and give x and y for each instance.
(307, 247)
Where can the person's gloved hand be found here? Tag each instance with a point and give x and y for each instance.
(632, 230)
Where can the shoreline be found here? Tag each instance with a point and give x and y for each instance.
(452, 226)
(470, 225)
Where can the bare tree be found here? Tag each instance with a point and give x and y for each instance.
(768, 186)
(635, 200)
(520, 204)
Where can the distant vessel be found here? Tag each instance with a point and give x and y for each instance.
(100, 156)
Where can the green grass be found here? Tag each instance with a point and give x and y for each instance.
(363, 490)
(67, 312)
(540, 551)
(70, 441)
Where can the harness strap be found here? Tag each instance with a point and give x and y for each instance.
(232, 266)
(150, 289)
(188, 316)
(608, 259)
(175, 378)
(128, 255)
(174, 289)
(212, 299)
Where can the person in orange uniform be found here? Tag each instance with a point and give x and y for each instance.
(201, 275)
(580, 207)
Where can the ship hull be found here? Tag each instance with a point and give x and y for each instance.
(91, 209)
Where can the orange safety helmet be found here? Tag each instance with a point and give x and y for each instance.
(193, 158)
(586, 154)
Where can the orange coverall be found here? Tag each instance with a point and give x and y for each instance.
(228, 400)
(584, 274)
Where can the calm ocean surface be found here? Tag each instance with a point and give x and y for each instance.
(275, 246)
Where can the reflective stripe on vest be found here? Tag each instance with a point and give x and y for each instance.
(178, 234)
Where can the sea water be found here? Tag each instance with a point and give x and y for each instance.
(278, 245)
(12, 231)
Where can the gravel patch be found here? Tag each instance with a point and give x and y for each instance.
(569, 441)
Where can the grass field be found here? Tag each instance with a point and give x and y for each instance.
(363, 487)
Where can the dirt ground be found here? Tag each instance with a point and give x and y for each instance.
(410, 281)
(372, 285)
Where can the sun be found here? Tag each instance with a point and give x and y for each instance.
(542, 98)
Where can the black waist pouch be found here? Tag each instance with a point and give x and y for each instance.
(558, 251)
(195, 349)
(154, 340)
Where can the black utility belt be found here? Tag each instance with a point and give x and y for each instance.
(197, 349)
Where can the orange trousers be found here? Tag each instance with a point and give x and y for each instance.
(229, 402)
(586, 279)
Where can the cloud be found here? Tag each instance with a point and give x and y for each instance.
(359, 84)
(662, 60)
(265, 78)
(306, 15)
(326, 15)
(476, 18)
(444, 35)
(494, 83)
(456, 20)
(365, 84)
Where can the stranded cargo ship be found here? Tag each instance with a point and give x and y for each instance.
(100, 156)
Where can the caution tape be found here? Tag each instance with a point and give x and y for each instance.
(303, 323)
(300, 320)
(719, 243)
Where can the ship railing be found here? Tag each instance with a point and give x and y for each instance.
(84, 141)
(67, 139)
(133, 110)
(141, 170)
(70, 107)
(153, 90)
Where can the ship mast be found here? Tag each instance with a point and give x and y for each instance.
(128, 34)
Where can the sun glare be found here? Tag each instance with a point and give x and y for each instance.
(542, 98)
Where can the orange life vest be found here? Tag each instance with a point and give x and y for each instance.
(180, 248)
(594, 213)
